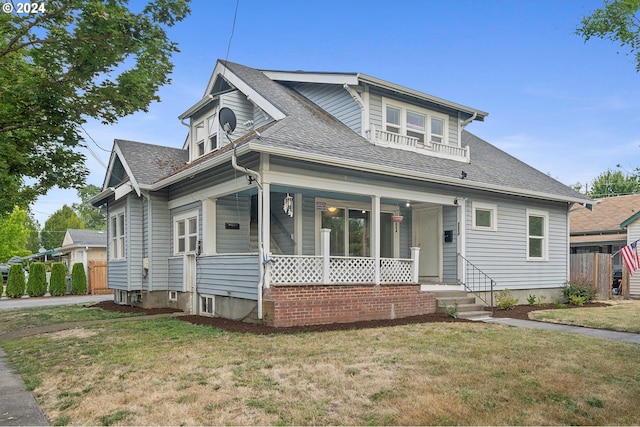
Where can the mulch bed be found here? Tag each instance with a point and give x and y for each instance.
(518, 312)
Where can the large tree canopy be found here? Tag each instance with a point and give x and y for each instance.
(56, 226)
(75, 60)
(614, 183)
(617, 21)
(94, 219)
(14, 233)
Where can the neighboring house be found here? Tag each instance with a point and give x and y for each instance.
(632, 225)
(598, 230)
(343, 197)
(88, 247)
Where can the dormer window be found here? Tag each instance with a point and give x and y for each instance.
(200, 142)
(206, 135)
(425, 126)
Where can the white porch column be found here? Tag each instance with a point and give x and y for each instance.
(415, 265)
(325, 249)
(375, 237)
(266, 219)
(209, 226)
(297, 222)
(462, 239)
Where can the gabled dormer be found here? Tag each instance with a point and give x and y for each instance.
(387, 114)
(224, 89)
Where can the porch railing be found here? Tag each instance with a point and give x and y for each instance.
(391, 139)
(477, 282)
(299, 269)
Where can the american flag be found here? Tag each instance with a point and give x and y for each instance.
(630, 256)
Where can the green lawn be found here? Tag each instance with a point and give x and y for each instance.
(166, 371)
(622, 316)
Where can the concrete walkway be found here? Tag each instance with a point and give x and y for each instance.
(598, 333)
(7, 303)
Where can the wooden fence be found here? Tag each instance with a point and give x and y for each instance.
(596, 268)
(98, 278)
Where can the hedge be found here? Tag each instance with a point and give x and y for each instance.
(15, 281)
(37, 282)
(78, 279)
(58, 281)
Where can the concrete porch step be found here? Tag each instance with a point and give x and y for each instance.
(464, 303)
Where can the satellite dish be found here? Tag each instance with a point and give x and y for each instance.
(227, 119)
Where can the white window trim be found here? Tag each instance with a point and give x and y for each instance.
(404, 107)
(493, 208)
(185, 217)
(196, 152)
(117, 243)
(173, 296)
(213, 305)
(545, 238)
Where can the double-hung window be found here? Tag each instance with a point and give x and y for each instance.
(186, 233)
(212, 131)
(116, 234)
(537, 235)
(200, 140)
(409, 120)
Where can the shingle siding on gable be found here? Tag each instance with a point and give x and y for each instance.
(336, 101)
(502, 254)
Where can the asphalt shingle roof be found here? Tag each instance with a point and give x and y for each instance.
(150, 163)
(88, 237)
(309, 129)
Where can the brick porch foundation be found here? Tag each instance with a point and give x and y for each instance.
(321, 304)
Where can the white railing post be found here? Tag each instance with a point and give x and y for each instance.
(325, 247)
(415, 270)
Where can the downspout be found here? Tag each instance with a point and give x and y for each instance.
(258, 179)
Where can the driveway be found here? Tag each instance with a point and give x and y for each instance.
(7, 303)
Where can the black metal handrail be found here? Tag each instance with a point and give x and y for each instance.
(477, 282)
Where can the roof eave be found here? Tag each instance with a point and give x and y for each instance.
(480, 115)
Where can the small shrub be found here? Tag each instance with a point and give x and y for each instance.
(531, 299)
(542, 299)
(576, 300)
(78, 279)
(451, 310)
(505, 300)
(582, 288)
(15, 281)
(58, 281)
(559, 305)
(37, 282)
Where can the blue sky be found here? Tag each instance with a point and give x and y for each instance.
(566, 107)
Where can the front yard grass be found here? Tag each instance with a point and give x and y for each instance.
(168, 372)
(17, 319)
(620, 316)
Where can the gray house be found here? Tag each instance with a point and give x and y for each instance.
(337, 197)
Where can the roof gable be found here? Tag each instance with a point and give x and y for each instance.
(93, 238)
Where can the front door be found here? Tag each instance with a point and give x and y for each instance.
(427, 235)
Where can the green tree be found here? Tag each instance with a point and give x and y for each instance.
(15, 281)
(56, 226)
(617, 21)
(94, 219)
(13, 234)
(58, 280)
(33, 241)
(78, 279)
(74, 60)
(612, 183)
(37, 281)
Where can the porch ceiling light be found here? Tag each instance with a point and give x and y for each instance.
(332, 209)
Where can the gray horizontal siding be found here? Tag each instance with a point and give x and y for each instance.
(160, 243)
(450, 250)
(335, 100)
(176, 274)
(117, 275)
(308, 225)
(228, 275)
(242, 108)
(232, 209)
(502, 254)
